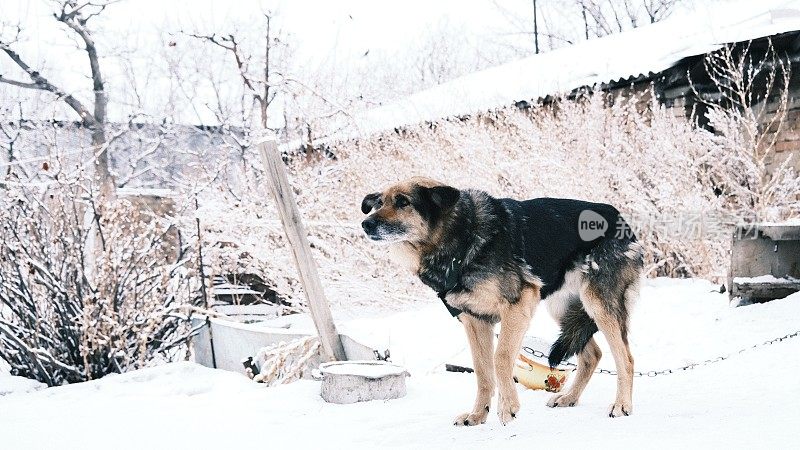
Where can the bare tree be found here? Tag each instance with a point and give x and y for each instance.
(274, 97)
(76, 17)
(10, 133)
(658, 10)
(549, 25)
(442, 52)
(604, 17)
(537, 29)
(258, 79)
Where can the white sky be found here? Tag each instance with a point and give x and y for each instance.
(333, 33)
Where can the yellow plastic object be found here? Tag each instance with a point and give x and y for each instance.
(538, 375)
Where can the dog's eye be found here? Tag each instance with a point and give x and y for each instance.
(401, 201)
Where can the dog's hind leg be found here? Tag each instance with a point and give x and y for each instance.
(513, 326)
(480, 335)
(611, 318)
(588, 359)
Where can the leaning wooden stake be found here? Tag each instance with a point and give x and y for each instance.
(296, 234)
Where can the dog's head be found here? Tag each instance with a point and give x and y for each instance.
(407, 211)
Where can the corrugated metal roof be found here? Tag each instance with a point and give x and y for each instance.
(623, 56)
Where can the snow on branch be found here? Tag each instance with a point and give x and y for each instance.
(42, 83)
(747, 108)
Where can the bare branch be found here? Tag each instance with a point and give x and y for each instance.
(19, 83)
(210, 38)
(43, 84)
(229, 43)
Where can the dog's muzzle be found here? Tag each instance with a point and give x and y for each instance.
(370, 227)
(380, 230)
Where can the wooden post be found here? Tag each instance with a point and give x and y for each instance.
(306, 266)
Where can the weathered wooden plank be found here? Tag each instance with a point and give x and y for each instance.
(306, 266)
(764, 291)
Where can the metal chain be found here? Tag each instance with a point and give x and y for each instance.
(653, 373)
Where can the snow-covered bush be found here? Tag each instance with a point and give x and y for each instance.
(683, 187)
(242, 234)
(657, 167)
(80, 297)
(747, 109)
(645, 163)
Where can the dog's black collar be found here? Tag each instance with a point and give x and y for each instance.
(452, 277)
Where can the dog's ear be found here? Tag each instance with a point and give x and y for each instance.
(444, 196)
(369, 202)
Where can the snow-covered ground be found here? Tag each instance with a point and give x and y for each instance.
(16, 385)
(748, 400)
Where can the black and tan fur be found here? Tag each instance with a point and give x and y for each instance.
(491, 260)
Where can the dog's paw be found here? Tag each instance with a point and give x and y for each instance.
(620, 409)
(507, 409)
(471, 419)
(562, 400)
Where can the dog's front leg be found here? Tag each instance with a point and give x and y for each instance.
(480, 335)
(513, 326)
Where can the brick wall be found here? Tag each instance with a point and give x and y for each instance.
(787, 142)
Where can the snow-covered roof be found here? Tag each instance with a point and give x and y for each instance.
(642, 51)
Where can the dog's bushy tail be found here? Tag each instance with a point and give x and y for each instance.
(576, 330)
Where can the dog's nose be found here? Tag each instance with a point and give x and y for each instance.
(369, 226)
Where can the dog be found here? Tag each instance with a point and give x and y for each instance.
(492, 260)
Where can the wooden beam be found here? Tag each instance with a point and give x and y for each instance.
(332, 348)
(766, 290)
